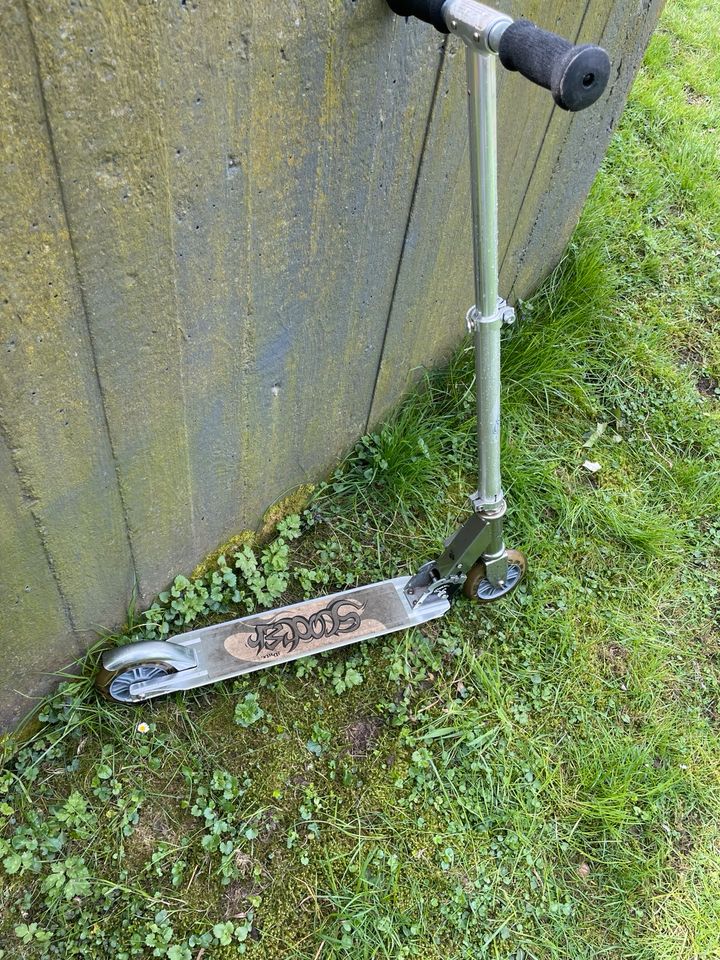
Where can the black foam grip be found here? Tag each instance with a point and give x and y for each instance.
(576, 76)
(426, 10)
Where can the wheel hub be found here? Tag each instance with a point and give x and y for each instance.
(119, 688)
(490, 591)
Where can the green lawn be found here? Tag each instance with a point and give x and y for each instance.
(535, 779)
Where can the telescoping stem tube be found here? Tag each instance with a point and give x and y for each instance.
(483, 182)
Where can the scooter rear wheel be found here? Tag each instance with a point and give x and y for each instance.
(115, 685)
(478, 587)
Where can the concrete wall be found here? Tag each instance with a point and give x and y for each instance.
(230, 234)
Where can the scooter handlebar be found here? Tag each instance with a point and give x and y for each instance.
(575, 75)
(430, 11)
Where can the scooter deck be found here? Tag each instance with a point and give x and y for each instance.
(261, 640)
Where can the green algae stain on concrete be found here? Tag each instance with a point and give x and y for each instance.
(36, 632)
(52, 414)
(102, 59)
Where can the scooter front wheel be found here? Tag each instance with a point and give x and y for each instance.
(478, 587)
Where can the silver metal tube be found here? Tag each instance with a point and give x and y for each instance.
(477, 25)
(487, 322)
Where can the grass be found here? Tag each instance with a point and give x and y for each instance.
(536, 779)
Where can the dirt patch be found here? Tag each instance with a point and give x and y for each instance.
(692, 96)
(235, 900)
(708, 387)
(614, 659)
(151, 828)
(684, 842)
(712, 712)
(362, 735)
(689, 355)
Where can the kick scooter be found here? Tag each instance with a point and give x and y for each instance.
(475, 558)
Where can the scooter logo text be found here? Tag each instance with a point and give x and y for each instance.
(340, 616)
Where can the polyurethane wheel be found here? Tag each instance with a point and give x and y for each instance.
(478, 587)
(115, 684)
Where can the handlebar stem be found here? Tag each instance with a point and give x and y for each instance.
(487, 317)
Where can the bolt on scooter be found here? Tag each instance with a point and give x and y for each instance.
(475, 559)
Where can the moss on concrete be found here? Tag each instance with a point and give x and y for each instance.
(228, 548)
(292, 503)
